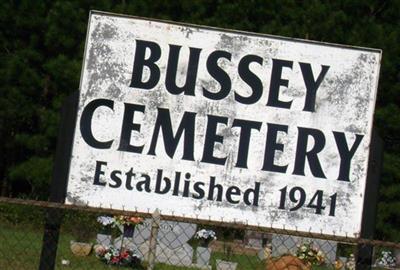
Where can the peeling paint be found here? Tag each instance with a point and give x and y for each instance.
(344, 103)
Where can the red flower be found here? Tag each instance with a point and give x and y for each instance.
(124, 255)
(115, 260)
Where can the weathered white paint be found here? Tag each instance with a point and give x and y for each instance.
(345, 102)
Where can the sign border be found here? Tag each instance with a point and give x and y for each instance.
(251, 34)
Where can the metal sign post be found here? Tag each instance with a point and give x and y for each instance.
(59, 182)
(364, 252)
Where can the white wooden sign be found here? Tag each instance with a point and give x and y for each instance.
(223, 125)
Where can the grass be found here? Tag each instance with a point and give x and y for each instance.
(19, 249)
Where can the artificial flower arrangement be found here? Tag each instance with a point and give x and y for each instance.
(351, 263)
(110, 222)
(128, 223)
(106, 224)
(310, 254)
(125, 223)
(119, 256)
(386, 259)
(113, 256)
(127, 220)
(205, 237)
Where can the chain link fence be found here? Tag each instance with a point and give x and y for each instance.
(94, 238)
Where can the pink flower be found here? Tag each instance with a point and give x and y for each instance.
(100, 250)
(136, 220)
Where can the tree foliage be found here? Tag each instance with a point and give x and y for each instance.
(42, 42)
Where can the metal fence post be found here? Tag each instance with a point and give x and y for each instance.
(59, 182)
(155, 225)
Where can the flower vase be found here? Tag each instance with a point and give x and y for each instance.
(204, 243)
(203, 255)
(128, 231)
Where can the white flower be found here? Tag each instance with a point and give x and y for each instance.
(387, 259)
(134, 255)
(107, 256)
(205, 234)
(105, 221)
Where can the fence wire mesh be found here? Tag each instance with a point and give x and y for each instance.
(95, 238)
